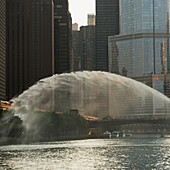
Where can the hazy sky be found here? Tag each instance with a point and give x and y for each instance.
(79, 10)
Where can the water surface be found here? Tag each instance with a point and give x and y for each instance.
(153, 153)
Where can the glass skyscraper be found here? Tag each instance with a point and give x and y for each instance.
(107, 24)
(87, 47)
(143, 15)
(142, 47)
(143, 38)
(62, 37)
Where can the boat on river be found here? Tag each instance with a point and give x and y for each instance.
(106, 134)
(115, 134)
(127, 133)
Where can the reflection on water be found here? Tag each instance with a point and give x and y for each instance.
(89, 154)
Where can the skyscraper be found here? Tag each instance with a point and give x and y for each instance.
(76, 48)
(144, 28)
(87, 47)
(70, 42)
(3, 49)
(141, 51)
(62, 30)
(29, 43)
(107, 23)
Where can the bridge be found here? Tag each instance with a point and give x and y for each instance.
(118, 122)
(137, 126)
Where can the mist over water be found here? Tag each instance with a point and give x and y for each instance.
(95, 93)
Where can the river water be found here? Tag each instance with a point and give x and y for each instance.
(141, 153)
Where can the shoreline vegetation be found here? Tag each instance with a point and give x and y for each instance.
(40, 127)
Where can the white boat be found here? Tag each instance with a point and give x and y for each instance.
(115, 134)
(107, 134)
(127, 133)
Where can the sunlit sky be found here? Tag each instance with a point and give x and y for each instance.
(79, 10)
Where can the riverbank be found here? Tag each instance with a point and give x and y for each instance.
(38, 126)
(15, 141)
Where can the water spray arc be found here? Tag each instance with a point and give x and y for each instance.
(97, 94)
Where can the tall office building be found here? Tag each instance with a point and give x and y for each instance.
(29, 43)
(76, 48)
(2, 49)
(70, 43)
(142, 48)
(91, 19)
(62, 36)
(83, 48)
(87, 47)
(107, 24)
(143, 37)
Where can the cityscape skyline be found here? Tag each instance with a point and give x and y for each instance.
(84, 84)
(31, 56)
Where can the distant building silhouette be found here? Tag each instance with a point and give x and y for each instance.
(91, 19)
(29, 43)
(62, 36)
(3, 49)
(107, 23)
(75, 27)
(83, 47)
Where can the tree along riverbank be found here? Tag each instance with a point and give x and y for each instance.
(37, 126)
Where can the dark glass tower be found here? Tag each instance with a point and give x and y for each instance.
(29, 43)
(87, 47)
(107, 23)
(62, 37)
(2, 49)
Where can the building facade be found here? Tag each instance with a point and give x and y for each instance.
(70, 43)
(107, 24)
(62, 31)
(135, 54)
(29, 43)
(87, 47)
(143, 16)
(3, 50)
(76, 49)
(159, 82)
(144, 28)
(142, 48)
